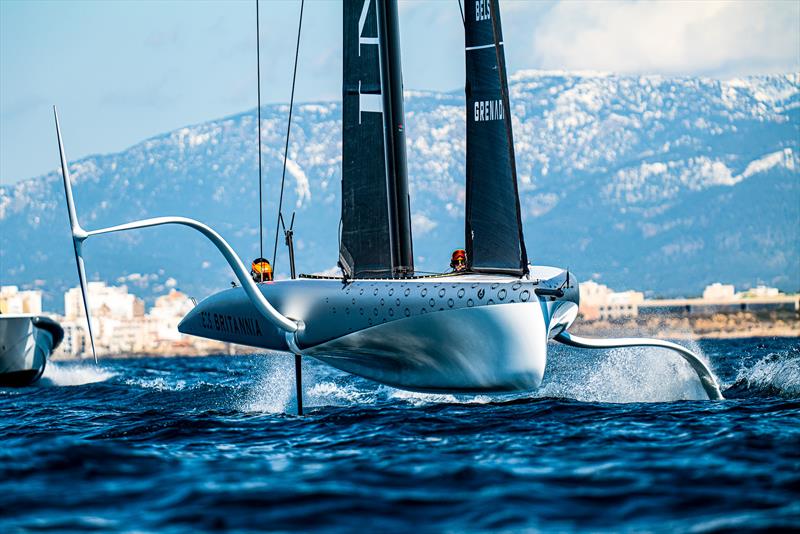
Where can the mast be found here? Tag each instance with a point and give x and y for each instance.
(395, 137)
(376, 223)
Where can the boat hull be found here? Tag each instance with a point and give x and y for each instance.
(485, 349)
(25, 345)
(472, 333)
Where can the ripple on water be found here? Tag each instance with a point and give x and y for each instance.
(210, 443)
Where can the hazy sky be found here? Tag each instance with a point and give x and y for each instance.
(123, 71)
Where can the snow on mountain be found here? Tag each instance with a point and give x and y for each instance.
(642, 182)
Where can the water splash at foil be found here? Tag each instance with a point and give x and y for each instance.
(62, 374)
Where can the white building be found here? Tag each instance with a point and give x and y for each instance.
(759, 292)
(598, 301)
(121, 327)
(104, 301)
(12, 300)
(125, 336)
(167, 313)
(718, 292)
(118, 320)
(76, 340)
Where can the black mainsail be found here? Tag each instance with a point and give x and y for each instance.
(494, 240)
(376, 222)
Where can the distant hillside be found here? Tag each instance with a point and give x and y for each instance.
(640, 182)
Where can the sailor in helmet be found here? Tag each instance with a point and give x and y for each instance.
(261, 270)
(458, 261)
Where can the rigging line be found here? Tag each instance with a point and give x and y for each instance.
(460, 8)
(260, 186)
(288, 130)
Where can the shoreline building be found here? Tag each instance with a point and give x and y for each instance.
(13, 301)
(121, 326)
(599, 302)
(723, 298)
(118, 320)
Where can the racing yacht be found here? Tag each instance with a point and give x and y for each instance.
(483, 328)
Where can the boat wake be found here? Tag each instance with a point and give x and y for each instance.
(66, 374)
(273, 390)
(618, 376)
(624, 375)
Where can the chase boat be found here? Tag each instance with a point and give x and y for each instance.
(26, 342)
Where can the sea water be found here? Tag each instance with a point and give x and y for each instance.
(616, 440)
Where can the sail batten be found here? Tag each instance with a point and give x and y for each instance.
(493, 228)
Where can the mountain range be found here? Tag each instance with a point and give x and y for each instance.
(647, 182)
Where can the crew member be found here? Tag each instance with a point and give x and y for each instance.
(458, 261)
(261, 270)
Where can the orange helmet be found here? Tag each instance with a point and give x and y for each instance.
(261, 270)
(458, 261)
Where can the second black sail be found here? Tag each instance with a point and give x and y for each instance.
(494, 239)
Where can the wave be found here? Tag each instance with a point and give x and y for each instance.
(775, 375)
(158, 384)
(337, 393)
(421, 399)
(64, 374)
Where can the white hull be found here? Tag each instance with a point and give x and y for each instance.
(491, 348)
(469, 333)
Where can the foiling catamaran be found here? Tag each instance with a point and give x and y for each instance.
(485, 329)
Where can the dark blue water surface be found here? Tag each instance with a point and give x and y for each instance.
(612, 442)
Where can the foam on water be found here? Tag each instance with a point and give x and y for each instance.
(65, 374)
(641, 374)
(775, 374)
(273, 390)
(638, 374)
(332, 393)
(159, 384)
(625, 375)
(421, 399)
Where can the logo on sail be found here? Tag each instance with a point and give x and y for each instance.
(488, 110)
(482, 10)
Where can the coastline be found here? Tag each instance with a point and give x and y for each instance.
(719, 326)
(740, 325)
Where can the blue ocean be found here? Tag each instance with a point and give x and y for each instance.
(614, 440)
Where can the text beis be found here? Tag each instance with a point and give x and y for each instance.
(482, 10)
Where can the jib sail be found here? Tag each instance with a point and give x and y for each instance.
(494, 240)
